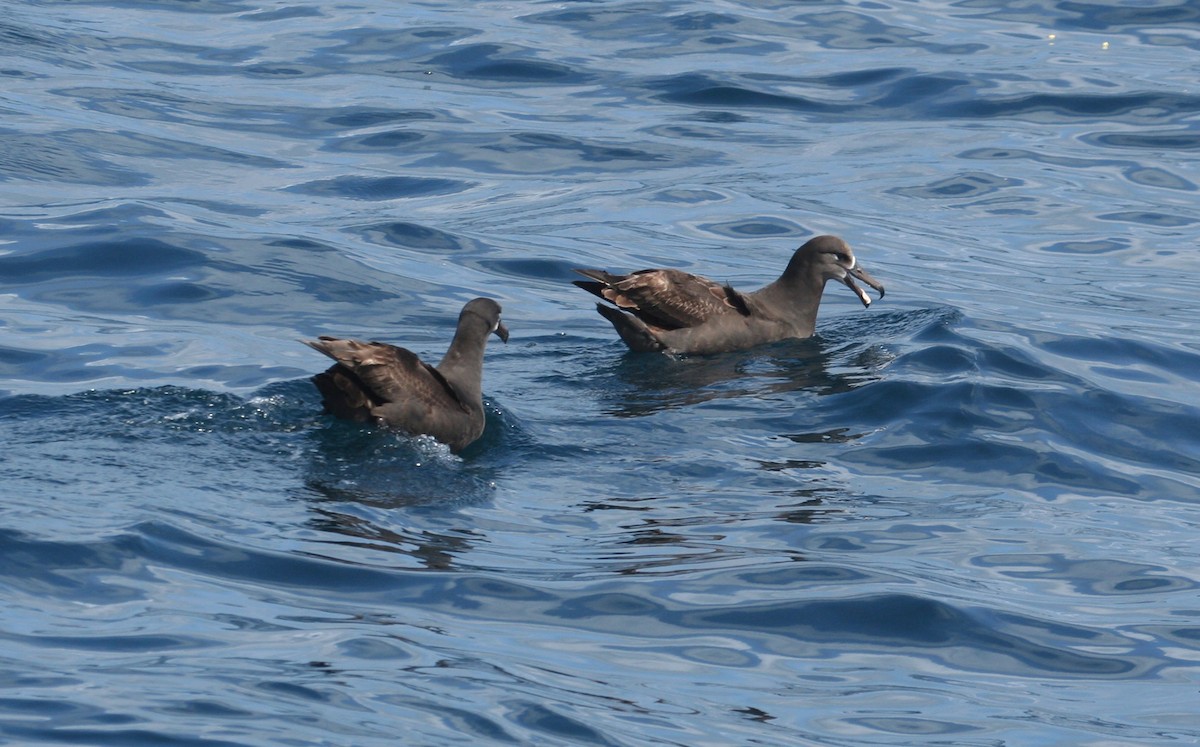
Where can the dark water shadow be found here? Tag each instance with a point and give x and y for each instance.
(428, 548)
(379, 467)
(652, 383)
(357, 478)
(140, 447)
(275, 438)
(385, 468)
(845, 355)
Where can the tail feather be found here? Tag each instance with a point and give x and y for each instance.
(595, 288)
(607, 278)
(632, 330)
(343, 395)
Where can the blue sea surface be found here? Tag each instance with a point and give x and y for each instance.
(968, 515)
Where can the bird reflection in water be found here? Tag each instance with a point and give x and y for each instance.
(649, 384)
(432, 550)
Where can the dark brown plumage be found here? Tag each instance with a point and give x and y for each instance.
(676, 312)
(385, 384)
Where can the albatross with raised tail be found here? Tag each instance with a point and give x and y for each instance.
(389, 385)
(673, 311)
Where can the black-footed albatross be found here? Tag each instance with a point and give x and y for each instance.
(673, 311)
(384, 384)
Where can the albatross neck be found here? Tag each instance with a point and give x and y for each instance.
(464, 359)
(794, 296)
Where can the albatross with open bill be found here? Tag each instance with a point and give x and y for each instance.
(673, 311)
(384, 384)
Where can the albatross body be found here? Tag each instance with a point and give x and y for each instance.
(389, 385)
(673, 311)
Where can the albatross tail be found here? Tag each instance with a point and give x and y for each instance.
(631, 329)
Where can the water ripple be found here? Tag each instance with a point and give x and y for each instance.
(964, 514)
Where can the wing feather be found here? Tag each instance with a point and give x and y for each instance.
(391, 374)
(666, 299)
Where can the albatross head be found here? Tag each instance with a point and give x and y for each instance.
(834, 259)
(489, 310)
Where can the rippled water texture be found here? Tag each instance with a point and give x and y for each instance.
(967, 515)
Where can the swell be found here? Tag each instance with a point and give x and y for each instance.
(804, 616)
(969, 411)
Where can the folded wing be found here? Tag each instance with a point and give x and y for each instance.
(370, 375)
(665, 299)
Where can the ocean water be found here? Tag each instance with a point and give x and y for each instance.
(965, 516)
